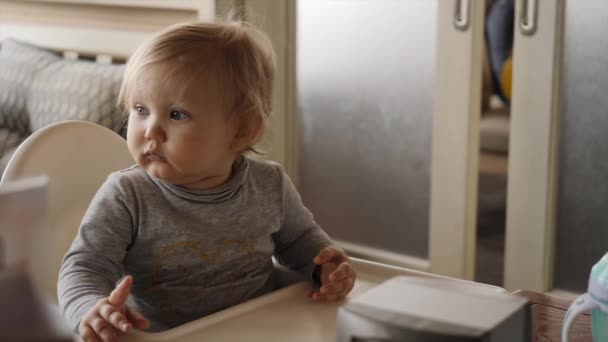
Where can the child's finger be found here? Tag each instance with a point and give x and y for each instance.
(137, 319)
(87, 334)
(108, 334)
(309, 293)
(343, 271)
(331, 288)
(331, 297)
(111, 314)
(327, 255)
(324, 297)
(119, 296)
(103, 329)
(347, 286)
(319, 296)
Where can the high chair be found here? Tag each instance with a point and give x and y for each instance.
(77, 156)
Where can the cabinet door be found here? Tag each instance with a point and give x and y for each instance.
(582, 194)
(457, 106)
(557, 189)
(533, 164)
(383, 141)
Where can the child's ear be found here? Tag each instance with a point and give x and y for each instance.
(248, 134)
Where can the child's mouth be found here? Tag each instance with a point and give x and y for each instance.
(153, 156)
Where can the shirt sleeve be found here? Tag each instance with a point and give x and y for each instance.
(300, 238)
(93, 264)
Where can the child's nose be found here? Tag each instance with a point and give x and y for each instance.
(155, 131)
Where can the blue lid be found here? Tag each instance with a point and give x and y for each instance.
(600, 270)
(598, 282)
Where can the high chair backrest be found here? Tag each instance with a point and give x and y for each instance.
(77, 156)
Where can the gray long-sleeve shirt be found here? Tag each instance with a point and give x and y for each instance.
(190, 252)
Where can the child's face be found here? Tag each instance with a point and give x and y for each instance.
(184, 140)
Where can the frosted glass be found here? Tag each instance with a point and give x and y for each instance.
(582, 216)
(366, 85)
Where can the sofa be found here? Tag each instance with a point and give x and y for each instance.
(39, 87)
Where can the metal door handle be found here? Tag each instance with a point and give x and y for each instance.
(527, 17)
(461, 14)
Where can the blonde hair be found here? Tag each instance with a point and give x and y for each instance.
(238, 57)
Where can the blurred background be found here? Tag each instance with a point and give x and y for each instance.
(461, 137)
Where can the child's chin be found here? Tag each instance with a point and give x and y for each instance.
(159, 174)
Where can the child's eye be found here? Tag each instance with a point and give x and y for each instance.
(140, 110)
(177, 115)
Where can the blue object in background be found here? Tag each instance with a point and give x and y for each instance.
(499, 35)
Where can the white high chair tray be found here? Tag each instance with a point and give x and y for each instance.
(287, 314)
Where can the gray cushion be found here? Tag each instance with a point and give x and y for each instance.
(5, 158)
(8, 140)
(19, 62)
(75, 90)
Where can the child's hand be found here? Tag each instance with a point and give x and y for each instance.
(337, 275)
(111, 316)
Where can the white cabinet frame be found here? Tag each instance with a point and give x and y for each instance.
(532, 188)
